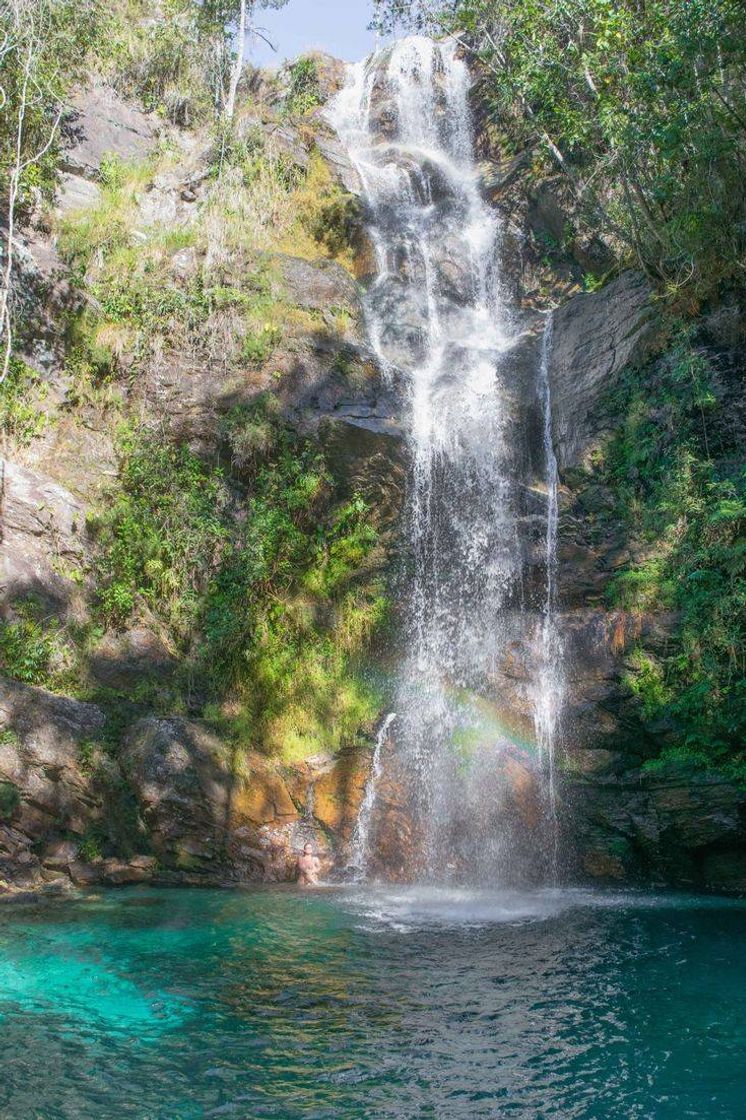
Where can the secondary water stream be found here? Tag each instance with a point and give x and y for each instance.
(444, 335)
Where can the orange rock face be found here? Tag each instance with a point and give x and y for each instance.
(262, 799)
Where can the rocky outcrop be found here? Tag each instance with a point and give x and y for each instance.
(99, 124)
(212, 810)
(42, 539)
(669, 827)
(596, 335)
(45, 792)
(172, 803)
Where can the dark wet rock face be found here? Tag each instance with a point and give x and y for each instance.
(675, 828)
(595, 337)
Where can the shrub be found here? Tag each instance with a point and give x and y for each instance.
(161, 533)
(27, 645)
(304, 93)
(21, 419)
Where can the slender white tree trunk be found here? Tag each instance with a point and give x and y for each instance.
(32, 47)
(230, 103)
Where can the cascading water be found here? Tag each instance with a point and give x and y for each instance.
(549, 689)
(443, 336)
(359, 847)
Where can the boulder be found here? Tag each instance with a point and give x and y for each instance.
(337, 160)
(181, 776)
(338, 788)
(76, 193)
(319, 285)
(45, 791)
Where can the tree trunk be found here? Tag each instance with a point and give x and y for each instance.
(230, 103)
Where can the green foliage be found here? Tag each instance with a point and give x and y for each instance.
(88, 752)
(10, 799)
(99, 231)
(177, 64)
(688, 515)
(165, 62)
(258, 345)
(90, 847)
(647, 683)
(27, 645)
(160, 533)
(304, 93)
(294, 601)
(21, 419)
(271, 601)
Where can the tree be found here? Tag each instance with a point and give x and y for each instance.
(245, 28)
(39, 39)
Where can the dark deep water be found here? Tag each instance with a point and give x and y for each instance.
(391, 1003)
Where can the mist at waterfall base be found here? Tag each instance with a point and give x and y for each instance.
(382, 1004)
(443, 333)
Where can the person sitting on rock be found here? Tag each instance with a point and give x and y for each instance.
(308, 867)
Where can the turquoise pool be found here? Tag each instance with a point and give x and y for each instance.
(388, 1003)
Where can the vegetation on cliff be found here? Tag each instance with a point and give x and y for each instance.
(675, 469)
(264, 585)
(232, 545)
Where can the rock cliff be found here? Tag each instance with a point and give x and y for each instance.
(112, 785)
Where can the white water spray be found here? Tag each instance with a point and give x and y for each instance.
(549, 690)
(360, 844)
(443, 336)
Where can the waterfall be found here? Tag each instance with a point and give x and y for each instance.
(359, 846)
(443, 336)
(549, 690)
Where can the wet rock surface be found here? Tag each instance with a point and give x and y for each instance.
(678, 827)
(596, 335)
(195, 809)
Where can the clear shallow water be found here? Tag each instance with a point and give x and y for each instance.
(390, 1003)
